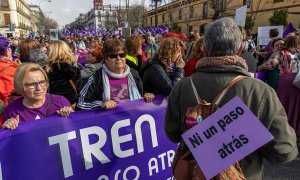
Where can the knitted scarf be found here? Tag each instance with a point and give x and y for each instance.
(132, 88)
(222, 61)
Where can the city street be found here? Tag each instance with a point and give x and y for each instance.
(283, 172)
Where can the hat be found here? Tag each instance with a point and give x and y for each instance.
(38, 56)
(4, 44)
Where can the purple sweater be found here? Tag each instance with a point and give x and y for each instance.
(26, 114)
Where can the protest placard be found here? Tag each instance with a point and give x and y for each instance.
(53, 34)
(263, 34)
(240, 15)
(225, 137)
(125, 143)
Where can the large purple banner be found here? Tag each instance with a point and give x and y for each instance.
(125, 143)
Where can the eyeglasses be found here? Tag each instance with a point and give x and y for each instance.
(35, 84)
(121, 55)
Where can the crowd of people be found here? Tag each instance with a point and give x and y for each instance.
(40, 78)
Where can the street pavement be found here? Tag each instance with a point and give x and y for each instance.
(289, 171)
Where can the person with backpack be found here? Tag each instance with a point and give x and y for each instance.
(223, 68)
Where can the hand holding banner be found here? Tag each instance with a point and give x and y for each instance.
(125, 143)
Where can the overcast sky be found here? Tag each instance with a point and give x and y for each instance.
(65, 11)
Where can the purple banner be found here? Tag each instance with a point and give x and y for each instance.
(125, 143)
(225, 137)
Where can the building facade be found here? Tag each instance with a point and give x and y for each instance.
(35, 13)
(189, 15)
(15, 18)
(107, 16)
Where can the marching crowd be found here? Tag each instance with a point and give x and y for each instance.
(40, 78)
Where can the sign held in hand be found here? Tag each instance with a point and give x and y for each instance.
(225, 137)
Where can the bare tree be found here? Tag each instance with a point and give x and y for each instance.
(45, 23)
(135, 15)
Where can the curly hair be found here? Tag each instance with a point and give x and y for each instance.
(167, 50)
(291, 42)
(133, 45)
(58, 52)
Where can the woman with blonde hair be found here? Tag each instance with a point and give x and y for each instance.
(165, 69)
(64, 75)
(31, 82)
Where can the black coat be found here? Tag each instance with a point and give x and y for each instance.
(91, 93)
(59, 84)
(156, 80)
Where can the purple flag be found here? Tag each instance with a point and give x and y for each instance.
(290, 28)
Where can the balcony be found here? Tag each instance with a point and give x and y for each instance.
(19, 10)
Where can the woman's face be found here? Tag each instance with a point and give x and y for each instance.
(35, 86)
(116, 62)
(278, 45)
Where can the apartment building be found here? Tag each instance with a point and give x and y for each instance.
(189, 15)
(14, 18)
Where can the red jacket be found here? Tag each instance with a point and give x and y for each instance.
(7, 72)
(190, 67)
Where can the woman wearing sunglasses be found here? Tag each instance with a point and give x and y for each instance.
(114, 83)
(31, 82)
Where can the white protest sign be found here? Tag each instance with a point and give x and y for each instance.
(263, 34)
(225, 137)
(53, 34)
(240, 16)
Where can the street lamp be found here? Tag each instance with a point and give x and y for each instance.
(43, 1)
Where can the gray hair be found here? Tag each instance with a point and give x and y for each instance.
(38, 56)
(222, 37)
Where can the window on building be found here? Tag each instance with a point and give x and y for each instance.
(190, 29)
(191, 11)
(247, 2)
(205, 10)
(180, 14)
(4, 3)
(6, 19)
(276, 1)
(223, 5)
(151, 21)
(163, 18)
(179, 29)
(171, 17)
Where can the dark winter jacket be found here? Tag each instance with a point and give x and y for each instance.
(90, 96)
(156, 80)
(59, 84)
(135, 65)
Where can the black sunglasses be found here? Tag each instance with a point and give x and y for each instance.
(121, 55)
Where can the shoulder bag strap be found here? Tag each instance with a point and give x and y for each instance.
(48, 105)
(73, 86)
(196, 95)
(4, 68)
(219, 97)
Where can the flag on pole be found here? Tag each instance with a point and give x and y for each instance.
(290, 28)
